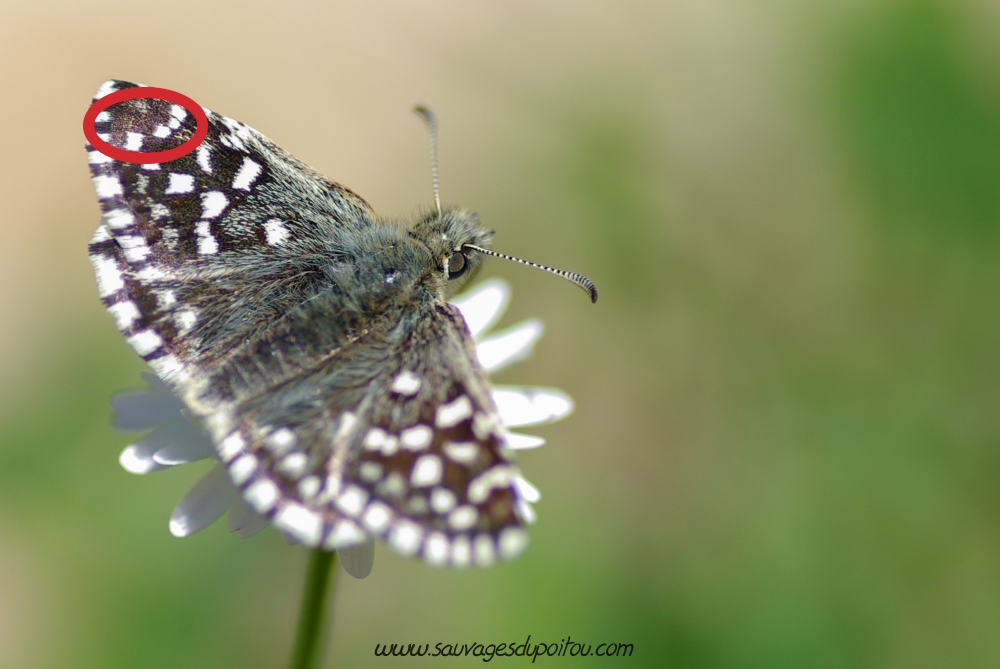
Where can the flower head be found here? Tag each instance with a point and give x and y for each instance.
(176, 438)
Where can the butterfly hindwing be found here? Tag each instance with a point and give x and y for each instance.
(415, 454)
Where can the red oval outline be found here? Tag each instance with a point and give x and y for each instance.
(144, 157)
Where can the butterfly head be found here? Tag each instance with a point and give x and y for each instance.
(448, 237)
(455, 237)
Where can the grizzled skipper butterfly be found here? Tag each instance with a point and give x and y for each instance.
(312, 339)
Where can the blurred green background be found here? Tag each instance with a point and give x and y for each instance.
(787, 441)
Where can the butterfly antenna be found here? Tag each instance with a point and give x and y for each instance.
(432, 125)
(578, 279)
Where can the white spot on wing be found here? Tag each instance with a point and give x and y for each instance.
(451, 414)
(231, 446)
(464, 453)
(204, 158)
(169, 367)
(165, 298)
(463, 517)
(276, 232)
(294, 464)
(405, 538)
(151, 273)
(179, 184)
(303, 523)
(95, 157)
(378, 440)
(125, 314)
(106, 88)
(406, 383)
(436, 549)
(101, 234)
(107, 186)
(162, 132)
(461, 553)
(213, 203)
(426, 471)
(133, 141)
(480, 487)
(133, 247)
(145, 342)
(345, 533)
(119, 218)
(207, 245)
(308, 487)
(484, 550)
(185, 320)
(443, 500)
(281, 440)
(370, 471)
(374, 439)
(109, 277)
(416, 438)
(376, 517)
(248, 172)
(262, 495)
(243, 468)
(159, 211)
(392, 486)
(352, 501)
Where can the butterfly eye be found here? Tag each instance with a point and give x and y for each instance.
(456, 265)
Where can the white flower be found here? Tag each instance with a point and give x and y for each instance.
(176, 439)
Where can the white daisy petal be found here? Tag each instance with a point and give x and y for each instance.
(156, 383)
(239, 514)
(188, 444)
(531, 406)
(245, 520)
(174, 435)
(482, 306)
(138, 459)
(143, 409)
(522, 441)
(508, 346)
(524, 488)
(527, 511)
(204, 503)
(359, 558)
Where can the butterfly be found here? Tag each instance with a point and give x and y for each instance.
(311, 338)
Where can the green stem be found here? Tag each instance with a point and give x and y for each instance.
(311, 635)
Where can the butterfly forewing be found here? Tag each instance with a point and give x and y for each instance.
(272, 301)
(199, 255)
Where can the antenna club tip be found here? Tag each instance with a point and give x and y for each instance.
(425, 113)
(593, 294)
